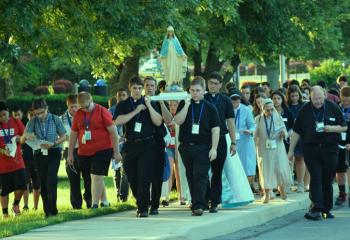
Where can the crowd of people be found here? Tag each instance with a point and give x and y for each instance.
(295, 138)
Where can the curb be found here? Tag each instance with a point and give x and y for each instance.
(237, 219)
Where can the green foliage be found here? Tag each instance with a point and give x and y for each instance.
(56, 102)
(76, 40)
(328, 71)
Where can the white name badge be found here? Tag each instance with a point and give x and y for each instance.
(138, 127)
(343, 136)
(332, 119)
(238, 136)
(83, 140)
(45, 152)
(88, 135)
(271, 144)
(285, 119)
(172, 141)
(195, 129)
(319, 126)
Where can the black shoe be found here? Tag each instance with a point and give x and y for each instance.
(328, 215)
(165, 203)
(341, 199)
(313, 215)
(94, 206)
(142, 214)
(123, 199)
(25, 208)
(197, 212)
(153, 212)
(107, 204)
(213, 209)
(88, 204)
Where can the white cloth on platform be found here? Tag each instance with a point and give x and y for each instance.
(185, 190)
(236, 190)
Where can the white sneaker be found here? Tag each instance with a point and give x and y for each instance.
(300, 188)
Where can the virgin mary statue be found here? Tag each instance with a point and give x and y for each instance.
(172, 58)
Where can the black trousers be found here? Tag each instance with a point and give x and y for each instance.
(121, 184)
(157, 178)
(139, 160)
(217, 166)
(197, 164)
(48, 169)
(74, 175)
(321, 161)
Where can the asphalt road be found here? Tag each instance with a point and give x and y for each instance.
(294, 226)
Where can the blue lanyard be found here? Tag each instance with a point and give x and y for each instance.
(200, 113)
(134, 107)
(318, 114)
(268, 130)
(345, 113)
(237, 118)
(69, 121)
(7, 134)
(87, 121)
(44, 132)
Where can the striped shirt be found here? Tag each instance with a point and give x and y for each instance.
(49, 129)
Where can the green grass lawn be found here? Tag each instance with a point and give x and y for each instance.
(35, 219)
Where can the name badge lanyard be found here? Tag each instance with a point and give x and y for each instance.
(269, 129)
(7, 134)
(200, 113)
(134, 107)
(88, 121)
(345, 113)
(318, 114)
(237, 119)
(44, 131)
(69, 121)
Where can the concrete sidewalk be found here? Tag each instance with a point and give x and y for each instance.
(173, 222)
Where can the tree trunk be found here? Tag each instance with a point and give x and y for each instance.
(130, 69)
(9, 87)
(2, 89)
(197, 61)
(114, 81)
(272, 74)
(213, 62)
(234, 62)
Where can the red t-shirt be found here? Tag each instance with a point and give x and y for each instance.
(99, 120)
(11, 129)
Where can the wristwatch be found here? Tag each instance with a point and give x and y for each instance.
(233, 143)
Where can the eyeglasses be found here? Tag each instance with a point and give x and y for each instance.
(214, 83)
(268, 109)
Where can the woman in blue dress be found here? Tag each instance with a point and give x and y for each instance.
(295, 102)
(245, 127)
